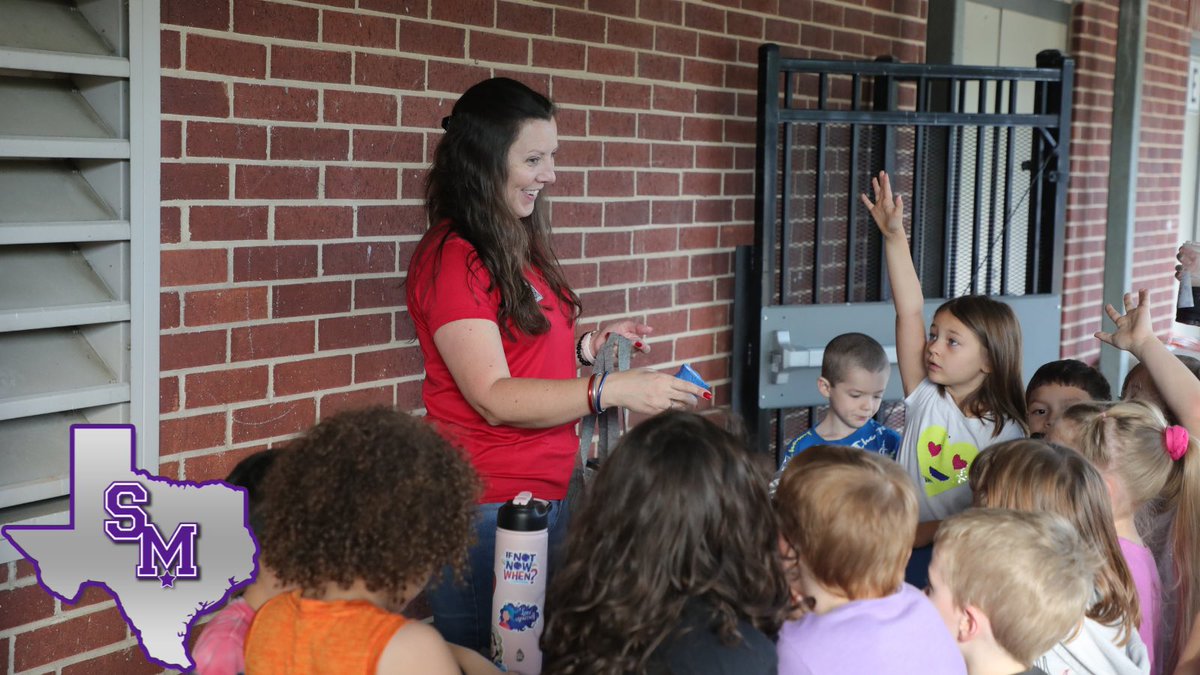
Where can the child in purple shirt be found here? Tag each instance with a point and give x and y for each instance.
(847, 522)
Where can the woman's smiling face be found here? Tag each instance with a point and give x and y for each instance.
(530, 165)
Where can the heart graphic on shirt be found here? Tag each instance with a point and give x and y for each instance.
(942, 463)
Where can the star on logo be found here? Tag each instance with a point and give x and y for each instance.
(167, 580)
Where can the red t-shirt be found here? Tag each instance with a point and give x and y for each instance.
(508, 459)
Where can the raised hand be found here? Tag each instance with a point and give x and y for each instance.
(888, 211)
(1134, 327)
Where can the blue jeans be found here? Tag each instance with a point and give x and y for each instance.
(462, 613)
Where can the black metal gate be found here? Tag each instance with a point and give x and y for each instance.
(980, 155)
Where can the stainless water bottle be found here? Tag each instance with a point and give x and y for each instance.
(519, 598)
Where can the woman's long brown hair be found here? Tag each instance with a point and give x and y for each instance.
(679, 513)
(465, 196)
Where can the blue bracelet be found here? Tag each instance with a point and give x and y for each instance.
(599, 391)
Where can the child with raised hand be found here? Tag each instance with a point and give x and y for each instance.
(1031, 475)
(376, 502)
(672, 563)
(847, 520)
(220, 648)
(962, 385)
(1058, 385)
(854, 375)
(1009, 585)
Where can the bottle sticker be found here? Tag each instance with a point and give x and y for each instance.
(520, 567)
(518, 617)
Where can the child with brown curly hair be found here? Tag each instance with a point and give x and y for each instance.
(376, 501)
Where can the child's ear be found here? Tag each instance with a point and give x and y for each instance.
(971, 623)
(824, 387)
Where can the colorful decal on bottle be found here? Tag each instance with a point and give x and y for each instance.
(518, 617)
(521, 567)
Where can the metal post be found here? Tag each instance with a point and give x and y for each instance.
(1123, 170)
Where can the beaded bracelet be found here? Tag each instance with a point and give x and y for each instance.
(579, 349)
(597, 408)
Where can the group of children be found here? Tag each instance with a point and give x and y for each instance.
(1052, 530)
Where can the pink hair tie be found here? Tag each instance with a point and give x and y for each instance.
(1175, 438)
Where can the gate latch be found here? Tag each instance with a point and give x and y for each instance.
(786, 357)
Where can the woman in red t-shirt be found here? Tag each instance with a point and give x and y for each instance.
(496, 321)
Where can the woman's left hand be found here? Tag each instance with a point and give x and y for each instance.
(628, 328)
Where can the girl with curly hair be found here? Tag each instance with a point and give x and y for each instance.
(1032, 475)
(497, 324)
(672, 564)
(376, 502)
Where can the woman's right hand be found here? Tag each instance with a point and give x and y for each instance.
(888, 211)
(649, 392)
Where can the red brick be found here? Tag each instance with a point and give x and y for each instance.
(578, 25)
(627, 95)
(189, 350)
(359, 398)
(226, 57)
(619, 272)
(675, 41)
(171, 138)
(674, 99)
(393, 72)
(307, 299)
(273, 339)
(357, 107)
(275, 182)
(354, 331)
(301, 377)
(486, 46)
(24, 605)
(610, 183)
(311, 65)
(227, 223)
(617, 154)
(169, 49)
(405, 7)
(582, 92)
(216, 466)
(260, 101)
(604, 244)
(276, 419)
(359, 29)
(472, 12)
(604, 303)
(660, 127)
(168, 394)
(313, 222)
(68, 638)
(193, 266)
(308, 143)
(517, 16)
(219, 387)
(202, 308)
(626, 214)
(638, 35)
(387, 364)
(642, 298)
(196, 13)
(214, 139)
(455, 77)
(605, 61)
(266, 263)
(358, 258)
(663, 11)
(128, 661)
(419, 37)
(609, 123)
(344, 182)
(388, 146)
(373, 293)
(192, 433)
(198, 98)
(425, 113)
(194, 181)
(656, 240)
(271, 19)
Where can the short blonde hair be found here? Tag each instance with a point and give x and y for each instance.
(1029, 571)
(851, 516)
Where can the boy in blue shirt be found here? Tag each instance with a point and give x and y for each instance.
(854, 374)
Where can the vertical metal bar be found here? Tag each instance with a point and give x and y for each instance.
(819, 204)
(852, 197)
(919, 233)
(785, 198)
(951, 181)
(1009, 148)
(1037, 188)
(766, 177)
(996, 187)
(977, 207)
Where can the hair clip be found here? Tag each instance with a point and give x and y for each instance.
(446, 122)
(1175, 438)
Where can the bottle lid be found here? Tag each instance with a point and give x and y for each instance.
(524, 514)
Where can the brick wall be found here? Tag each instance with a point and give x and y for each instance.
(294, 139)
(1093, 44)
